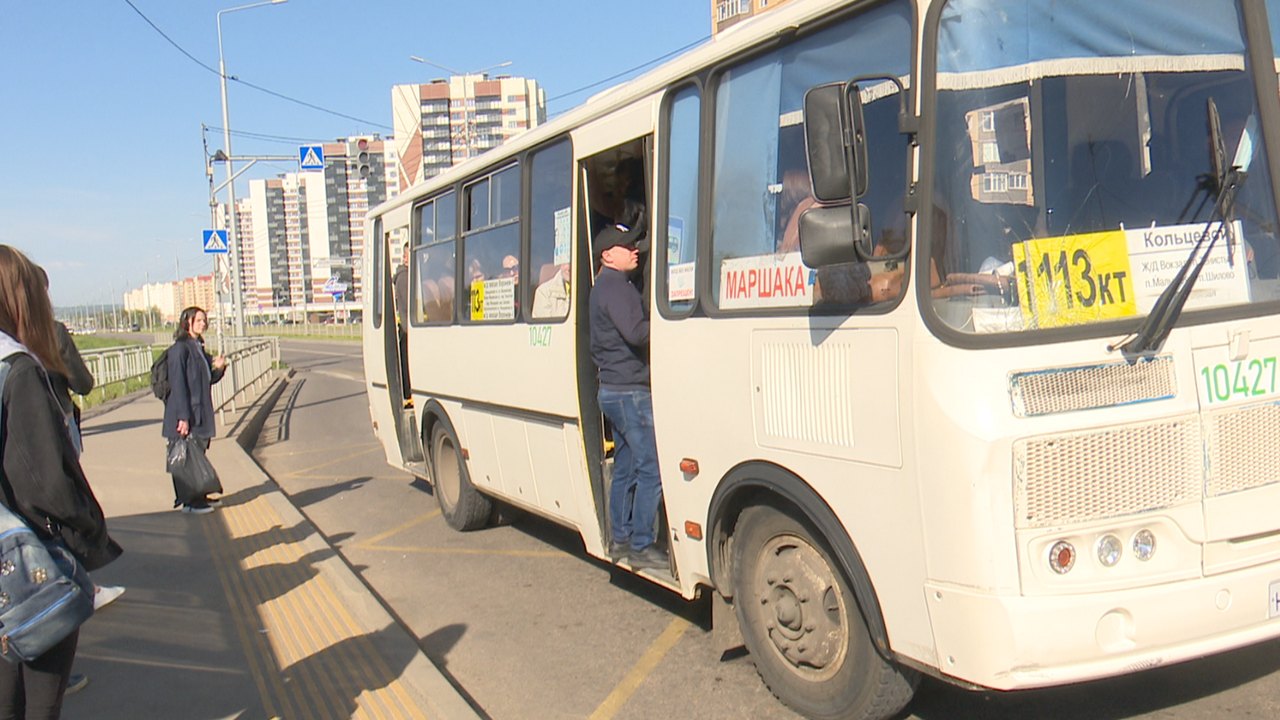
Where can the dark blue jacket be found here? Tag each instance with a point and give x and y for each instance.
(619, 332)
(191, 377)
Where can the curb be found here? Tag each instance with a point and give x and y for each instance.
(420, 675)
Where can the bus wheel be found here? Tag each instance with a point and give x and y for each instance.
(801, 623)
(463, 507)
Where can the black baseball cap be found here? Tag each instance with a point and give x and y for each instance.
(615, 235)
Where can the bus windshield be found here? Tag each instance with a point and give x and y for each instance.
(1079, 153)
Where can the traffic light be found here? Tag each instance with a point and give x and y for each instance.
(362, 167)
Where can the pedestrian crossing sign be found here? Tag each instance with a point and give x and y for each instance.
(215, 241)
(311, 157)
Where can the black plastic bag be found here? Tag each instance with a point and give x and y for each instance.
(193, 474)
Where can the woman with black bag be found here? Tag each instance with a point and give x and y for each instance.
(188, 409)
(42, 481)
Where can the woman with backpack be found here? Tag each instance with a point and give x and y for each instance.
(42, 482)
(188, 408)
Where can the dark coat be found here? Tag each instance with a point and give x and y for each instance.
(42, 480)
(78, 378)
(191, 377)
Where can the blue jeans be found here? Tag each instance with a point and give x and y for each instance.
(636, 492)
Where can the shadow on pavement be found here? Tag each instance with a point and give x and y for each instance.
(100, 428)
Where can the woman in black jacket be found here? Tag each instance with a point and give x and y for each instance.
(42, 480)
(189, 408)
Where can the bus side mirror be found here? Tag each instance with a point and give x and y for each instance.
(825, 234)
(835, 142)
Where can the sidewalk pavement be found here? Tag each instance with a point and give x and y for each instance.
(242, 613)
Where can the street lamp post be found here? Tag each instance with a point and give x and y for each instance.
(466, 85)
(233, 253)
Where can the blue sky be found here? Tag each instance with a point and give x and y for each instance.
(103, 180)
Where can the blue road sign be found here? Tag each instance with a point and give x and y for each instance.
(215, 241)
(311, 157)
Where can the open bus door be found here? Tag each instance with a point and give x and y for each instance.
(614, 182)
(384, 359)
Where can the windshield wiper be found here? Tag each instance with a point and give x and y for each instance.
(1168, 307)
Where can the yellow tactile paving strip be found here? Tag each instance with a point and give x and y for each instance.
(308, 655)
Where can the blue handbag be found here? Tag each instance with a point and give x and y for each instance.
(45, 593)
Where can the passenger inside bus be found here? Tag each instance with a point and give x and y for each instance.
(551, 298)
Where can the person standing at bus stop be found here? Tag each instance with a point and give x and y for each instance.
(620, 349)
(188, 410)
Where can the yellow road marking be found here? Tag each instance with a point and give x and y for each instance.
(166, 664)
(368, 687)
(641, 670)
(467, 551)
(256, 649)
(367, 544)
(358, 453)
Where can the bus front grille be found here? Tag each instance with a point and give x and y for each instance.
(1242, 448)
(1085, 476)
(1086, 387)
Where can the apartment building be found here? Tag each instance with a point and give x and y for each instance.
(446, 121)
(302, 234)
(727, 13)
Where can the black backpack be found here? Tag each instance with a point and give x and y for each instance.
(160, 376)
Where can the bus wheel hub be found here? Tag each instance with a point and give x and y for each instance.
(803, 608)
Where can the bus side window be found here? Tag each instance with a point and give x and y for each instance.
(434, 256)
(550, 219)
(759, 166)
(491, 247)
(677, 263)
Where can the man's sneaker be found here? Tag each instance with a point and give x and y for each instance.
(213, 501)
(650, 557)
(618, 549)
(104, 594)
(201, 509)
(76, 683)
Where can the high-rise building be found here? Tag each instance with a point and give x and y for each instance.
(446, 121)
(302, 236)
(727, 13)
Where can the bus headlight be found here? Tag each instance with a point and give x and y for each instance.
(1144, 544)
(1109, 550)
(1062, 556)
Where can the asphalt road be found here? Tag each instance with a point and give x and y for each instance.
(528, 626)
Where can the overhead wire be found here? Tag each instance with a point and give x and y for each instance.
(624, 73)
(246, 83)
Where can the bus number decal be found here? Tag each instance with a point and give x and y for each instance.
(1239, 379)
(539, 336)
(1074, 279)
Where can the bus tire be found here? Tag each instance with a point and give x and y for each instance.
(463, 507)
(801, 623)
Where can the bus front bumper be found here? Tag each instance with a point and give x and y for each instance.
(1023, 642)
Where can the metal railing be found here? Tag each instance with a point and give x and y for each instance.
(118, 364)
(249, 364)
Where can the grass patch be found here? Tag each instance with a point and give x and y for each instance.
(89, 342)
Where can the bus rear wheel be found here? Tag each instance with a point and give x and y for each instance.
(463, 507)
(801, 623)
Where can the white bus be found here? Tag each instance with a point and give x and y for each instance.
(964, 338)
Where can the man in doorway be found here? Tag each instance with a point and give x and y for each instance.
(400, 289)
(620, 349)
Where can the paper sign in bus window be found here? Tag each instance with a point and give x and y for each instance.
(562, 252)
(1157, 253)
(764, 281)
